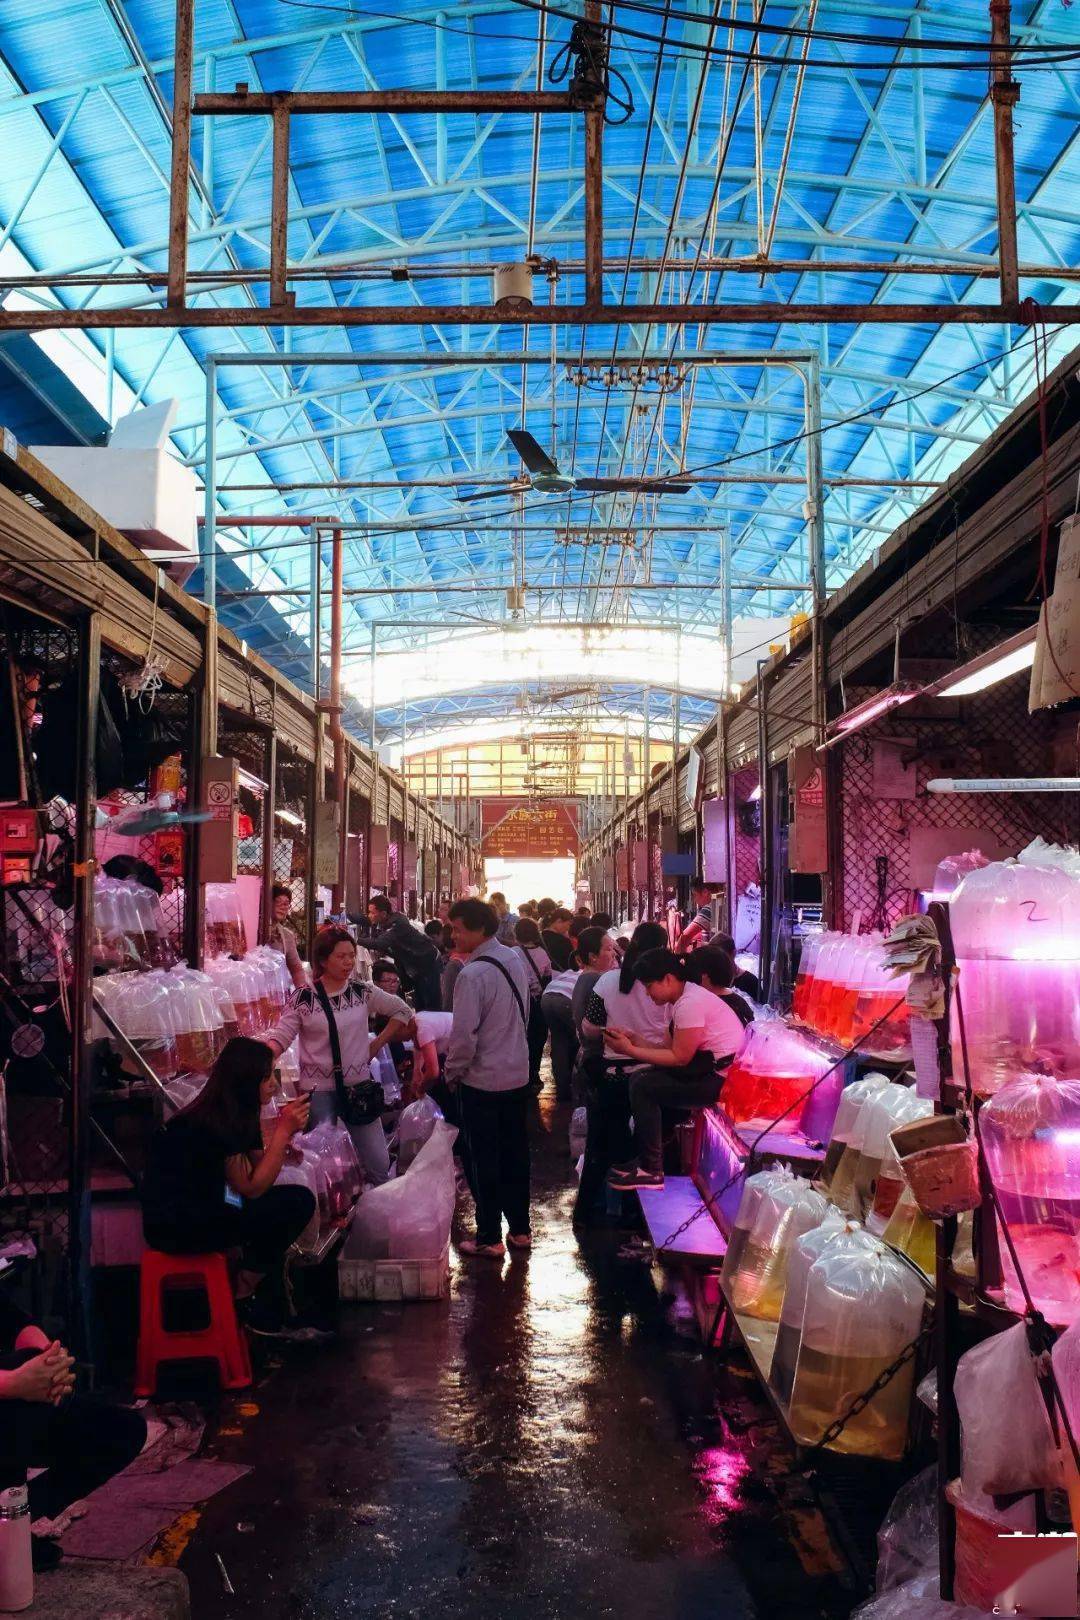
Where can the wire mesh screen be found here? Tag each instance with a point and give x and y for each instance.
(292, 841)
(745, 844)
(993, 736)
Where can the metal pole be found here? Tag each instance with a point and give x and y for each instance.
(815, 534)
(371, 676)
(765, 833)
(337, 734)
(184, 51)
(1004, 94)
(279, 207)
(89, 657)
(210, 490)
(594, 173)
(315, 608)
(269, 820)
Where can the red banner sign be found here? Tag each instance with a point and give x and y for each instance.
(516, 830)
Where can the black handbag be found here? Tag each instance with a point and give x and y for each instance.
(363, 1103)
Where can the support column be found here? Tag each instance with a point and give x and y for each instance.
(269, 822)
(183, 53)
(315, 612)
(1004, 94)
(337, 734)
(82, 953)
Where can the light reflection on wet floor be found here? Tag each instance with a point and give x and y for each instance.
(545, 1444)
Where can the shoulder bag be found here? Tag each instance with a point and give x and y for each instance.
(542, 980)
(363, 1103)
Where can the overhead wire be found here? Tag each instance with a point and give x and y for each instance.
(1038, 56)
(650, 125)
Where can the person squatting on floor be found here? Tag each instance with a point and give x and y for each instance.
(487, 1061)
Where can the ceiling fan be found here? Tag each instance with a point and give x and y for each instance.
(544, 475)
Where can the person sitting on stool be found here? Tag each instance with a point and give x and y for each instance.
(79, 1441)
(686, 1073)
(214, 1143)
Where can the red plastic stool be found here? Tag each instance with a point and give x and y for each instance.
(222, 1340)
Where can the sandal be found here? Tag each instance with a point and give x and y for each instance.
(490, 1251)
(522, 1240)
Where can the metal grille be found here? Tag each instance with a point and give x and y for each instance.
(35, 1045)
(994, 736)
(746, 849)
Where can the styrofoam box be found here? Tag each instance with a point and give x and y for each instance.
(394, 1280)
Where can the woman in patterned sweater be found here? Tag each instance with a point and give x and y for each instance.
(352, 1002)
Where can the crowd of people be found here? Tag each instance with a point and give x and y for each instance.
(466, 1005)
(478, 993)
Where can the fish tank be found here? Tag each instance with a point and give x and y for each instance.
(1031, 1137)
(1016, 934)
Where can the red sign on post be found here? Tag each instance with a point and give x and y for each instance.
(516, 830)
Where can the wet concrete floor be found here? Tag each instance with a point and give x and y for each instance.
(549, 1443)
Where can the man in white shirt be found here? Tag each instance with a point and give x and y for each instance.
(687, 1073)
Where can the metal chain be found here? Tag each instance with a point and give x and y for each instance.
(861, 1402)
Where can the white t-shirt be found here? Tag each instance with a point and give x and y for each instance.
(697, 1008)
(433, 1028)
(636, 1012)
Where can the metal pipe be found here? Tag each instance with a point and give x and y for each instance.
(315, 610)
(436, 589)
(977, 270)
(210, 490)
(479, 480)
(181, 152)
(330, 318)
(1004, 94)
(765, 833)
(334, 708)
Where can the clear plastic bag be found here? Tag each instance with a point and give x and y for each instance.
(409, 1218)
(331, 1145)
(415, 1126)
(907, 1541)
(1007, 1441)
(917, 1599)
(308, 1173)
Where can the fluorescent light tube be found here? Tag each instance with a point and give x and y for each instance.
(287, 815)
(1007, 658)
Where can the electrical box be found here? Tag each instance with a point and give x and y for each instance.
(325, 851)
(808, 833)
(18, 831)
(217, 837)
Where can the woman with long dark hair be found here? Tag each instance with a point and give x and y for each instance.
(616, 1001)
(214, 1147)
(330, 1020)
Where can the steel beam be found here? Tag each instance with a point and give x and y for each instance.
(279, 208)
(181, 152)
(1004, 94)
(242, 102)
(329, 318)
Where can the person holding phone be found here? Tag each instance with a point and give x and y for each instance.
(330, 1020)
(212, 1149)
